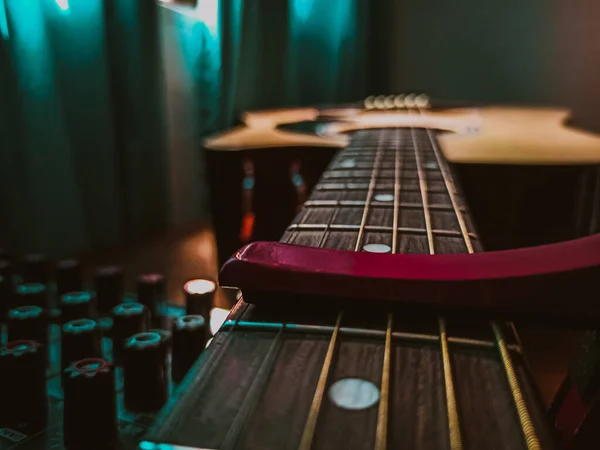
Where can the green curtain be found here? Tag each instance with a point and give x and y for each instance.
(278, 53)
(82, 162)
(104, 104)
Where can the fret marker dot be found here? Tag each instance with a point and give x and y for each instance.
(430, 165)
(348, 163)
(384, 198)
(354, 394)
(377, 248)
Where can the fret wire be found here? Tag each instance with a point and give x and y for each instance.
(370, 191)
(365, 332)
(374, 228)
(397, 171)
(451, 405)
(311, 422)
(527, 427)
(329, 187)
(383, 205)
(254, 392)
(382, 414)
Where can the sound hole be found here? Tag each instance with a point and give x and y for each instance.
(354, 394)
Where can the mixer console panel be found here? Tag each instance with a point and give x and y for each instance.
(88, 366)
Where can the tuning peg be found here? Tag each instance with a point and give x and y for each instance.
(380, 102)
(388, 102)
(370, 102)
(399, 101)
(409, 101)
(422, 101)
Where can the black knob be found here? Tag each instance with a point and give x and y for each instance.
(109, 285)
(69, 277)
(6, 268)
(199, 296)
(81, 339)
(90, 405)
(189, 339)
(35, 269)
(23, 384)
(27, 323)
(166, 338)
(6, 296)
(151, 293)
(77, 305)
(146, 386)
(31, 294)
(128, 319)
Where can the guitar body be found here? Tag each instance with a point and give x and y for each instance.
(378, 321)
(527, 176)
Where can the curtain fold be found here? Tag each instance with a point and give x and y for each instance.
(104, 104)
(83, 160)
(279, 53)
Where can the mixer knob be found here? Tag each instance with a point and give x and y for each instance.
(6, 296)
(109, 285)
(189, 339)
(81, 339)
(146, 386)
(23, 384)
(199, 296)
(6, 269)
(27, 323)
(32, 294)
(36, 269)
(90, 406)
(77, 305)
(69, 277)
(151, 293)
(166, 338)
(128, 319)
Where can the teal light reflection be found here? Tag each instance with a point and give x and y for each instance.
(302, 8)
(3, 21)
(207, 12)
(63, 5)
(147, 445)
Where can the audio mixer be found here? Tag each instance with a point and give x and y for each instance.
(88, 366)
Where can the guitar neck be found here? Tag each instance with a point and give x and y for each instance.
(305, 378)
(390, 191)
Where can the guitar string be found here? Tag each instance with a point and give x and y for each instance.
(259, 383)
(254, 392)
(451, 405)
(311, 421)
(381, 432)
(527, 427)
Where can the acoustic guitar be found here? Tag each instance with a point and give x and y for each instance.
(378, 322)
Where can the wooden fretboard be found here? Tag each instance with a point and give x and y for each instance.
(391, 187)
(266, 380)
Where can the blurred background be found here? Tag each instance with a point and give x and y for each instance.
(104, 104)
